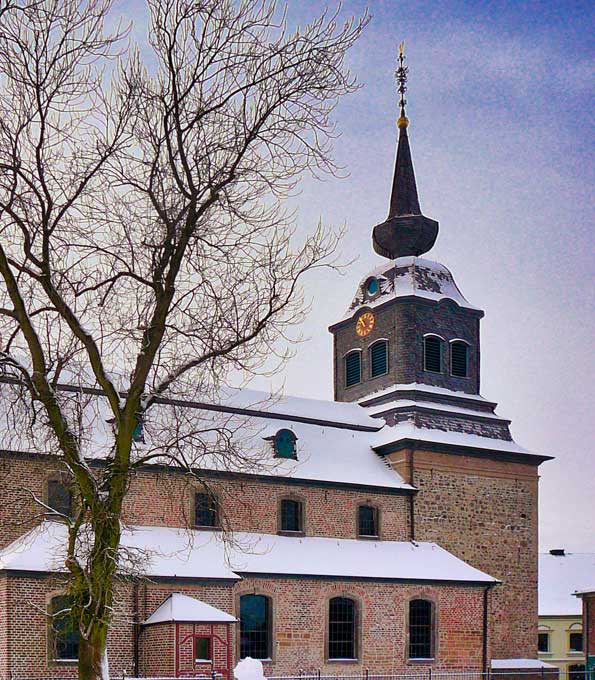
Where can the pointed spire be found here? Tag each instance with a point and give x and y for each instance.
(405, 231)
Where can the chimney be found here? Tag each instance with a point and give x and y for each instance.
(558, 552)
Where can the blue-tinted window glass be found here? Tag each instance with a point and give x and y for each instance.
(372, 286)
(66, 635)
(254, 626)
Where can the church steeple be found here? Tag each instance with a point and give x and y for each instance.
(405, 231)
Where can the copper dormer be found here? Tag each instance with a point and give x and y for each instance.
(405, 231)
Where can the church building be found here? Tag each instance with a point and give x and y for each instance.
(392, 530)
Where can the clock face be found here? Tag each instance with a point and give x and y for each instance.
(365, 324)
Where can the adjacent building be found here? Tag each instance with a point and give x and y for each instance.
(561, 634)
(393, 529)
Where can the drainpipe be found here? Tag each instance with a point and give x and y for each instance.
(136, 629)
(485, 629)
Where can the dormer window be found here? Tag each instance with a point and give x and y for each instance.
(138, 434)
(284, 443)
(433, 353)
(372, 286)
(353, 368)
(459, 359)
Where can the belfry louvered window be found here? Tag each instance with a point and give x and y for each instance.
(353, 368)
(379, 358)
(421, 629)
(433, 353)
(342, 628)
(459, 359)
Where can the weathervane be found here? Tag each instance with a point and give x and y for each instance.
(401, 76)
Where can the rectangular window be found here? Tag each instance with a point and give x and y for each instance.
(64, 630)
(255, 626)
(420, 629)
(575, 642)
(459, 359)
(202, 649)
(341, 628)
(206, 510)
(59, 498)
(367, 524)
(543, 642)
(291, 515)
(379, 358)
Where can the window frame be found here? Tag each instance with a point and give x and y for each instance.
(376, 510)
(380, 341)
(442, 342)
(547, 635)
(355, 352)
(270, 629)
(467, 346)
(433, 629)
(294, 443)
(572, 650)
(209, 659)
(56, 514)
(52, 633)
(302, 516)
(357, 618)
(217, 511)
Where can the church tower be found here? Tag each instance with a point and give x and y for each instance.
(408, 322)
(408, 351)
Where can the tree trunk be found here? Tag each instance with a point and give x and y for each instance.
(93, 655)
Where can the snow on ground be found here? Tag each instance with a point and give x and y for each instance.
(505, 664)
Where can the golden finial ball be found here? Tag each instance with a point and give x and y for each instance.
(403, 122)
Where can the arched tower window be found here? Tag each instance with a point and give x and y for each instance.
(421, 629)
(342, 628)
(59, 498)
(353, 368)
(379, 358)
(459, 359)
(64, 633)
(433, 353)
(285, 444)
(255, 626)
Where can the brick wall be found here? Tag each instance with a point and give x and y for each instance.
(299, 624)
(4, 632)
(485, 512)
(589, 623)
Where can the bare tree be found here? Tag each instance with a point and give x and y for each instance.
(145, 251)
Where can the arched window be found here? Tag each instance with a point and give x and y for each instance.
(291, 515)
(459, 359)
(421, 629)
(206, 510)
(285, 444)
(65, 635)
(342, 628)
(379, 358)
(255, 626)
(59, 498)
(367, 521)
(433, 353)
(353, 368)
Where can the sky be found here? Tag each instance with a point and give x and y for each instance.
(501, 107)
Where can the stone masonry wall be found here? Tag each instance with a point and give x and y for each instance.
(485, 512)
(404, 323)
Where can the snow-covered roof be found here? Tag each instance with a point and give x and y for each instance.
(377, 409)
(421, 387)
(407, 430)
(409, 276)
(560, 576)
(508, 664)
(236, 440)
(586, 591)
(179, 607)
(170, 552)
